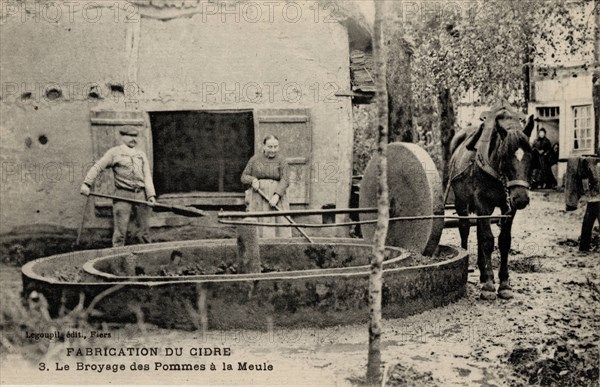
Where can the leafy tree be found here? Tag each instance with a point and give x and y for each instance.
(487, 47)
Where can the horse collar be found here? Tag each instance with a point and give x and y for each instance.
(484, 164)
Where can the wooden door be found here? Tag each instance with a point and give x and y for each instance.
(293, 128)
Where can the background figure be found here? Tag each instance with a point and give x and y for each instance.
(542, 177)
(268, 171)
(553, 158)
(133, 180)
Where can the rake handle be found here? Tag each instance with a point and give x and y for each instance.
(179, 210)
(264, 196)
(135, 201)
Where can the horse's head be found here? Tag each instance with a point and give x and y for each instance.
(512, 155)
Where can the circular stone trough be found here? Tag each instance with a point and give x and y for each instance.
(194, 284)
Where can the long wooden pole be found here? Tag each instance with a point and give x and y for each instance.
(376, 277)
(267, 214)
(179, 210)
(83, 220)
(451, 221)
(264, 196)
(134, 201)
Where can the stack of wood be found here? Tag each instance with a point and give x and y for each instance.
(361, 70)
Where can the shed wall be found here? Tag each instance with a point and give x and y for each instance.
(185, 63)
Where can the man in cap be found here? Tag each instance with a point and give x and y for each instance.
(133, 180)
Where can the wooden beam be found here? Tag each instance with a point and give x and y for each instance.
(282, 119)
(117, 121)
(266, 214)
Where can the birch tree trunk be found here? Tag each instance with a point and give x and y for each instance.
(376, 278)
(596, 77)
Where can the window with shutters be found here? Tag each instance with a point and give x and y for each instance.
(105, 127)
(293, 128)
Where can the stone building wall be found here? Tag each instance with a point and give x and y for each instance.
(57, 70)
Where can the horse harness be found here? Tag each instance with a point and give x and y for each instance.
(481, 160)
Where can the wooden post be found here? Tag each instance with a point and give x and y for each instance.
(248, 248)
(128, 263)
(592, 212)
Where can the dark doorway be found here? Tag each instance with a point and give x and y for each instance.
(200, 151)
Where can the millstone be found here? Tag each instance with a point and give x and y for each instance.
(415, 188)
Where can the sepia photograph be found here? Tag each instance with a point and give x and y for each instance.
(300, 192)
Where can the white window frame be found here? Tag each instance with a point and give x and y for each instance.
(548, 111)
(583, 128)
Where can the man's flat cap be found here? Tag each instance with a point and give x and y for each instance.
(129, 131)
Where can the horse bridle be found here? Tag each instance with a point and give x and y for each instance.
(503, 179)
(510, 184)
(517, 183)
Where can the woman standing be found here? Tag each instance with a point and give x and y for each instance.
(543, 177)
(268, 171)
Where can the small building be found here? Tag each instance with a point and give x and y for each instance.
(561, 84)
(563, 105)
(204, 81)
(560, 88)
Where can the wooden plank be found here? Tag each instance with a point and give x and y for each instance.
(204, 201)
(197, 194)
(282, 119)
(118, 121)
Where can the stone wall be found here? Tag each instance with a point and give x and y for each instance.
(146, 58)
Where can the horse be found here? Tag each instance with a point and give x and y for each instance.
(490, 167)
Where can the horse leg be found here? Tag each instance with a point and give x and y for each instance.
(464, 225)
(504, 242)
(485, 247)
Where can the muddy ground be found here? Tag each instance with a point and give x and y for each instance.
(547, 335)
